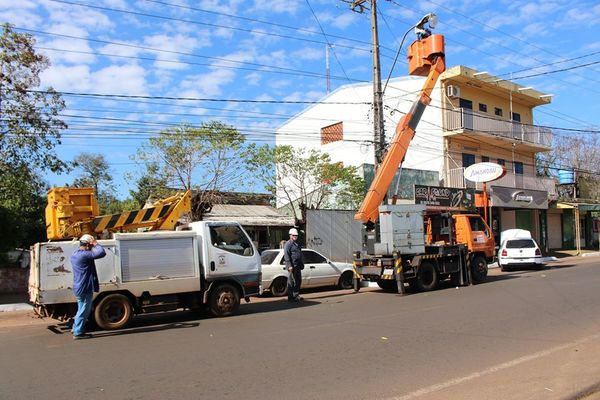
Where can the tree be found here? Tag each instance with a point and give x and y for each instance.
(208, 158)
(29, 131)
(94, 172)
(307, 178)
(150, 186)
(29, 127)
(579, 153)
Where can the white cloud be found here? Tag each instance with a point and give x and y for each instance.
(67, 78)
(205, 85)
(308, 53)
(114, 79)
(22, 13)
(278, 6)
(79, 16)
(121, 79)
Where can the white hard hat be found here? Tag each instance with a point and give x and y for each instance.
(86, 238)
(294, 231)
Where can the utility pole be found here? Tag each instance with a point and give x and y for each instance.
(378, 126)
(327, 66)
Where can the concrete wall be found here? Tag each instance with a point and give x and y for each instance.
(13, 280)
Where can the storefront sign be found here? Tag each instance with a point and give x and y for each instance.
(519, 198)
(445, 198)
(519, 195)
(484, 172)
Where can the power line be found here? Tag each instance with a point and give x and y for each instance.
(98, 95)
(210, 25)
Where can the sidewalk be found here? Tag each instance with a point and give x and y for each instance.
(14, 302)
(573, 253)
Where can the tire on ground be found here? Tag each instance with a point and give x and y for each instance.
(279, 286)
(427, 277)
(113, 311)
(224, 300)
(479, 268)
(346, 280)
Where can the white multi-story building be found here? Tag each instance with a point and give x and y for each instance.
(473, 117)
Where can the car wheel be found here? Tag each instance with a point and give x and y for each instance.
(279, 287)
(427, 277)
(479, 269)
(113, 312)
(346, 280)
(224, 300)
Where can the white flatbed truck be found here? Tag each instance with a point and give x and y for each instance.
(210, 265)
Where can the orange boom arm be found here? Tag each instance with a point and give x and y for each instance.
(425, 58)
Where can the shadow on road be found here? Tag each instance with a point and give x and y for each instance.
(277, 304)
(181, 318)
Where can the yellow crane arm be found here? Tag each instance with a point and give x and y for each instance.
(72, 212)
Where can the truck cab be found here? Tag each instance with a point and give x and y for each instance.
(468, 229)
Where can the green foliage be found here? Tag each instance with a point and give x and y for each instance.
(29, 131)
(307, 178)
(22, 204)
(208, 159)
(30, 125)
(150, 186)
(94, 172)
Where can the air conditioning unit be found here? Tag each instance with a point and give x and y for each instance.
(453, 91)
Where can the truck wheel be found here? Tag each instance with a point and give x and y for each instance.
(113, 312)
(388, 285)
(224, 300)
(279, 287)
(346, 280)
(479, 269)
(427, 277)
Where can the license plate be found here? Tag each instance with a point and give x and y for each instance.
(388, 272)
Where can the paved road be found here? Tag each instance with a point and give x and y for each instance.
(523, 335)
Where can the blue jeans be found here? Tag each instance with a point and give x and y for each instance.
(84, 306)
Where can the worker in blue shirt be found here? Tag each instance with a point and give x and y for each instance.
(85, 280)
(292, 254)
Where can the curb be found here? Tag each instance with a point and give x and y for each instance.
(15, 307)
(595, 254)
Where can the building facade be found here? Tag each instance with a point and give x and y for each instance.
(473, 117)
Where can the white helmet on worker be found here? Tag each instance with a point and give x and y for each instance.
(294, 231)
(87, 238)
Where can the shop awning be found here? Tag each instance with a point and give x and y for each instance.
(580, 206)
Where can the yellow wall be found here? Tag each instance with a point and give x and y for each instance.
(478, 95)
(455, 147)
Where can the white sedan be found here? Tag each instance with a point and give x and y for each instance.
(318, 271)
(519, 252)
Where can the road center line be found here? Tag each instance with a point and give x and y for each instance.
(493, 369)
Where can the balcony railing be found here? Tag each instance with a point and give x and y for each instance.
(455, 178)
(463, 118)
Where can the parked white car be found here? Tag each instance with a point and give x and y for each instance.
(318, 271)
(519, 249)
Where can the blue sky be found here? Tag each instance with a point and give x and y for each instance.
(252, 60)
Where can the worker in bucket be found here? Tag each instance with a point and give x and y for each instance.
(294, 262)
(85, 281)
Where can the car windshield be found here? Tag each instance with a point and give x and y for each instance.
(520, 244)
(268, 256)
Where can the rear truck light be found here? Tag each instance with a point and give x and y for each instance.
(504, 253)
(538, 252)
